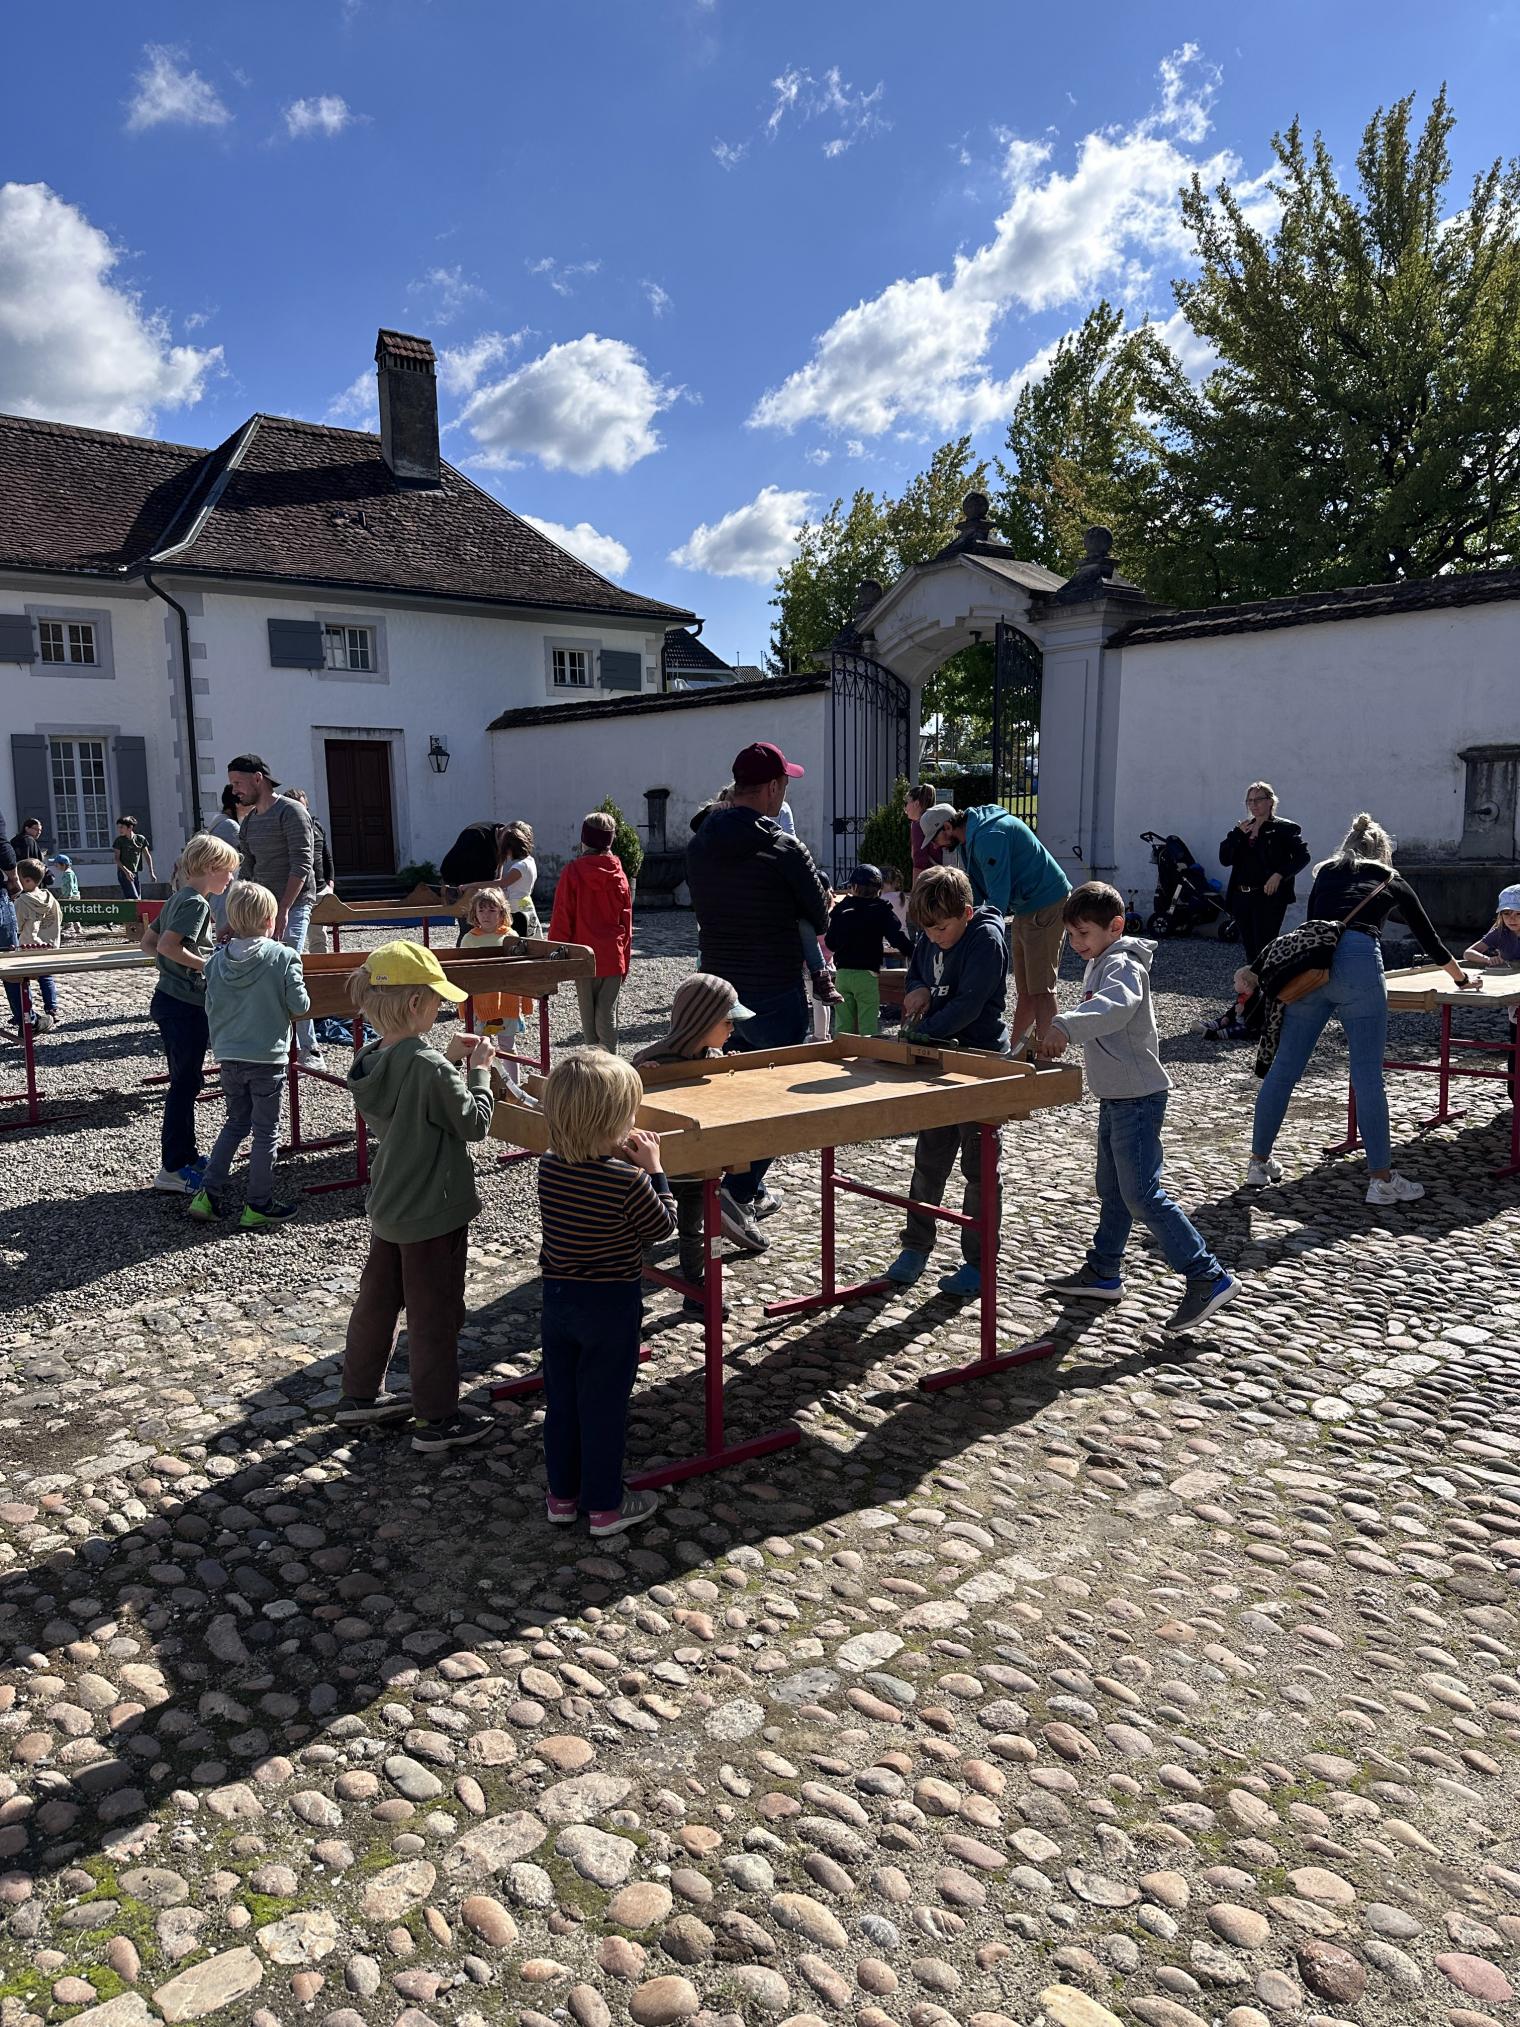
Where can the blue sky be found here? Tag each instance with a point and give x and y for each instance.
(693, 266)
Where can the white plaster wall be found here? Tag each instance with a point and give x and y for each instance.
(1356, 714)
(553, 774)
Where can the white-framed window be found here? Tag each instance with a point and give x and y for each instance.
(68, 641)
(81, 799)
(572, 668)
(350, 648)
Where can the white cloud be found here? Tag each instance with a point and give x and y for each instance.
(657, 298)
(358, 406)
(562, 276)
(730, 153)
(443, 292)
(754, 541)
(327, 115)
(169, 93)
(585, 406)
(917, 352)
(798, 92)
(75, 346)
(603, 552)
(1195, 355)
(462, 367)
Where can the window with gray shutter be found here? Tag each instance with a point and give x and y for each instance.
(17, 642)
(296, 644)
(29, 769)
(622, 669)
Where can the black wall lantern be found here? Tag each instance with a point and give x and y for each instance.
(438, 754)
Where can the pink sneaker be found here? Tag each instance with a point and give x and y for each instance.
(560, 1512)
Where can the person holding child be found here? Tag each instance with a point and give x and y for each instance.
(39, 926)
(425, 1110)
(486, 927)
(860, 926)
(702, 1016)
(255, 988)
(955, 993)
(602, 1197)
(181, 941)
(1115, 1026)
(593, 904)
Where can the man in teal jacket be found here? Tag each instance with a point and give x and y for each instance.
(1011, 870)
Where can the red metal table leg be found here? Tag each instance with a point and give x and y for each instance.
(518, 1389)
(1513, 1168)
(360, 1177)
(1444, 1109)
(831, 1294)
(991, 1360)
(31, 1094)
(1353, 1139)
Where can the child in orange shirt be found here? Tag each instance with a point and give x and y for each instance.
(488, 926)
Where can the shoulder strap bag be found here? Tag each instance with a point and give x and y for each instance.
(1297, 964)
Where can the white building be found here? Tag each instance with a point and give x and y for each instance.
(343, 604)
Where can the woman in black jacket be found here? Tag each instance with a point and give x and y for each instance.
(1263, 852)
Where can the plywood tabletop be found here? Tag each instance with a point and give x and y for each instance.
(19, 964)
(1420, 988)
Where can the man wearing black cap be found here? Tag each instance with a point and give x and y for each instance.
(279, 851)
(750, 886)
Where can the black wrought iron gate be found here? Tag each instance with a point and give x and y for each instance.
(869, 747)
(1016, 679)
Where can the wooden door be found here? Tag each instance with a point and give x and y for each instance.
(359, 806)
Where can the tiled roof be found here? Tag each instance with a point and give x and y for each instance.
(292, 502)
(85, 499)
(705, 698)
(686, 655)
(1318, 608)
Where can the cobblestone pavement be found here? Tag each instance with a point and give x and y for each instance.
(1149, 1684)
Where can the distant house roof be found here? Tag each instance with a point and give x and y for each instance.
(707, 697)
(688, 660)
(285, 502)
(1318, 608)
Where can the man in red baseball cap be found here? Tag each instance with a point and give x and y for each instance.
(751, 885)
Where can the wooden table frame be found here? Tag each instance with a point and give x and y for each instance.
(424, 904)
(1429, 998)
(690, 1149)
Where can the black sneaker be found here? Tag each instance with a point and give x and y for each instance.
(1208, 1293)
(459, 1432)
(691, 1307)
(738, 1224)
(257, 1216)
(355, 1413)
(1086, 1286)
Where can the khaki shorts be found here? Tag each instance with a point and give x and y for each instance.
(1036, 941)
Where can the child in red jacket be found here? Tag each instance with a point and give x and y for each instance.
(593, 904)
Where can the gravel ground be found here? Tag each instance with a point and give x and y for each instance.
(1171, 1685)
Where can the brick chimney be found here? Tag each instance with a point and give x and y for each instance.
(408, 407)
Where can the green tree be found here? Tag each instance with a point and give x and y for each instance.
(627, 846)
(1363, 422)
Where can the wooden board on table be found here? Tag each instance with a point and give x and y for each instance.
(727, 1112)
(531, 967)
(330, 912)
(1421, 988)
(18, 964)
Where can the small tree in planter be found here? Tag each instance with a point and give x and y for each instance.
(887, 839)
(626, 847)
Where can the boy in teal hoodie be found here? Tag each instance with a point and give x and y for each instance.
(254, 989)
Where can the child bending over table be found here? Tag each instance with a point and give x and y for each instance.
(39, 926)
(425, 1110)
(1498, 945)
(955, 993)
(1116, 1027)
(601, 1198)
(487, 926)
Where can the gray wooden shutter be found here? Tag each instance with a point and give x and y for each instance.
(17, 641)
(132, 783)
(295, 644)
(33, 778)
(622, 669)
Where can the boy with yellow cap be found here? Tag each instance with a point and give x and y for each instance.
(424, 1110)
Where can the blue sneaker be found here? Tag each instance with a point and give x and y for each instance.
(1203, 1297)
(181, 1181)
(908, 1267)
(1085, 1286)
(966, 1280)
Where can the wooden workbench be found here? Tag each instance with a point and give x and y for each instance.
(726, 1112)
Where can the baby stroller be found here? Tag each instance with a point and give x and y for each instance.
(1186, 898)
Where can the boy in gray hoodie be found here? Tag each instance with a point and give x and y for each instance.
(254, 989)
(1116, 1027)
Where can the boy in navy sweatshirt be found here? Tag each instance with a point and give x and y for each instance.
(955, 993)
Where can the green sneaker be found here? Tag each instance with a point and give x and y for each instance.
(204, 1208)
(257, 1217)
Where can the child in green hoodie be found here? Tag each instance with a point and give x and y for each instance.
(424, 1110)
(254, 989)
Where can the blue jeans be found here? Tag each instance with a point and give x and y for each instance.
(781, 1021)
(1358, 998)
(1129, 1188)
(253, 1092)
(10, 939)
(128, 884)
(591, 1359)
(186, 1038)
(297, 922)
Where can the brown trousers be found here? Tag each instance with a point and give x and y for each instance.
(427, 1281)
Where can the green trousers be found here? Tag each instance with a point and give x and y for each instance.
(861, 1012)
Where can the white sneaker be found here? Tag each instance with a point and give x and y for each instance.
(44, 1022)
(1394, 1189)
(312, 1059)
(1260, 1174)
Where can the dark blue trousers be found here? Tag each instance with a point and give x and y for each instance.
(591, 1359)
(186, 1039)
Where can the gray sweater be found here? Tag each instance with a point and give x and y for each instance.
(1116, 1023)
(277, 845)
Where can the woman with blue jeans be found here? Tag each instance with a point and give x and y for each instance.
(1359, 877)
